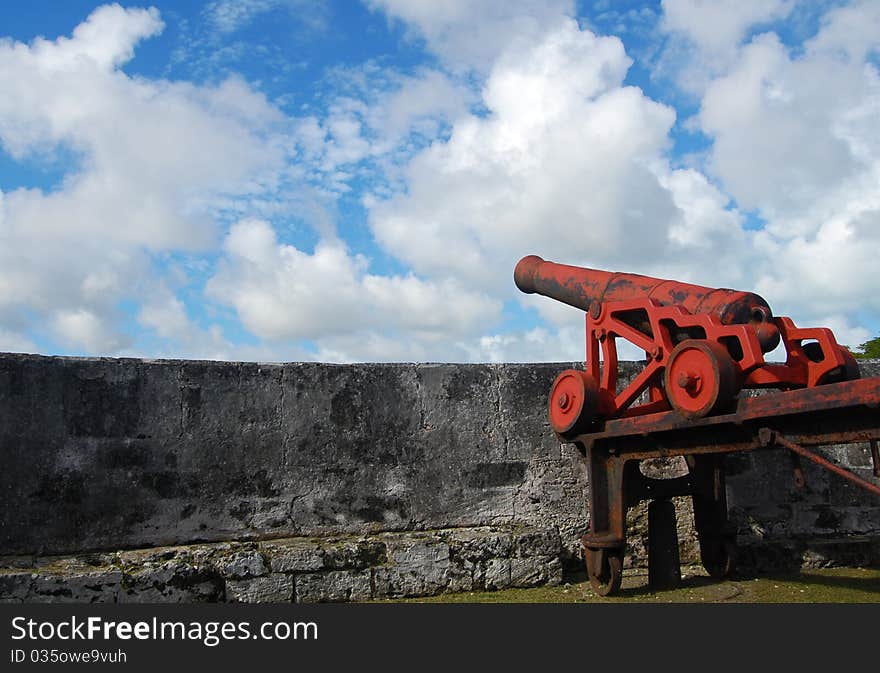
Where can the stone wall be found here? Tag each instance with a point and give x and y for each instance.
(154, 474)
(301, 569)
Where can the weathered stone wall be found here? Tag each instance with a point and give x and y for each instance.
(305, 570)
(101, 457)
(104, 454)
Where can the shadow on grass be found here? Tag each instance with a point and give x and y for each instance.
(692, 582)
(809, 579)
(818, 586)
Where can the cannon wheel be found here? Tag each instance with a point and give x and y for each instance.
(574, 401)
(719, 559)
(605, 569)
(700, 378)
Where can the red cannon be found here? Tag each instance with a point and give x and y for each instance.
(702, 347)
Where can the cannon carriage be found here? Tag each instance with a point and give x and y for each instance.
(702, 346)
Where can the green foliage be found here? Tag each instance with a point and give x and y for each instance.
(869, 349)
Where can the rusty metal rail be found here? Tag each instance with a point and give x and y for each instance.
(837, 413)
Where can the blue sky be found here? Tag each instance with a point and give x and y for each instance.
(354, 181)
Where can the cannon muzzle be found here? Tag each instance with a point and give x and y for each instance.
(581, 287)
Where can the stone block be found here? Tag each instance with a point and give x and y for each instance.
(479, 544)
(541, 542)
(244, 564)
(535, 570)
(15, 585)
(173, 581)
(273, 588)
(333, 586)
(356, 554)
(100, 585)
(294, 556)
(417, 566)
(417, 551)
(494, 574)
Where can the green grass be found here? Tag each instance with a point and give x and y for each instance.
(829, 585)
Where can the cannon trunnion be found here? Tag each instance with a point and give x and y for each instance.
(702, 347)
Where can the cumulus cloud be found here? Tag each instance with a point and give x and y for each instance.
(720, 26)
(106, 39)
(787, 131)
(794, 138)
(523, 136)
(851, 30)
(381, 119)
(534, 345)
(282, 293)
(163, 314)
(166, 314)
(469, 34)
(152, 156)
(569, 163)
(706, 35)
(83, 329)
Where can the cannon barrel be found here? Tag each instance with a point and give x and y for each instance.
(581, 287)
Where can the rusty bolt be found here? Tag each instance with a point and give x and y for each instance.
(563, 401)
(689, 381)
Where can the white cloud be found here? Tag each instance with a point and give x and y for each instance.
(565, 344)
(566, 165)
(166, 314)
(845, 332)
(152, 159)
(563, 160)
(853, 30)
(719, 26)
(787, 131)
(106, 39)
(382, 116)
(795, 138)
(534, 345)
(280, 293)
(706, 35)
(469, 34)
(419, 104)
(570, 164)
(83, 329)
(13, 342)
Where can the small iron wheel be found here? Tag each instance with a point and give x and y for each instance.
(574, 402)
(719, 559)
(605, 569)
(700, 378)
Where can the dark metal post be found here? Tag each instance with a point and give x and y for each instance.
(664, 564)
